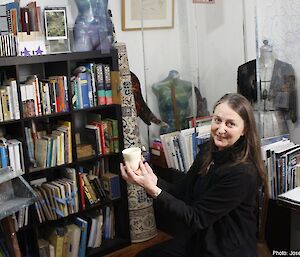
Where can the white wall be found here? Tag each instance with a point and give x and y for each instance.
(206, 41)
(205, 38)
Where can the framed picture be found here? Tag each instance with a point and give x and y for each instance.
(204, 1)
(149, 14)
(56, 23)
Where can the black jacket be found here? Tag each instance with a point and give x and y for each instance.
(218, 209)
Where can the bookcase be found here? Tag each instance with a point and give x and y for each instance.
(45, 66)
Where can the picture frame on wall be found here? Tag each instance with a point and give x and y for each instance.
(147, 14)
(56, 23)
(203, 1)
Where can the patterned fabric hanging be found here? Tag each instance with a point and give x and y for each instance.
(140, 206)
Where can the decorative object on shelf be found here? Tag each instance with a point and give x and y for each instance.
(141, 213)
(56, 30)
(147, 14)
(93, 29)
(31, 44)
(55, 23)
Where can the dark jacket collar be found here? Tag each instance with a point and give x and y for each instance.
(229, 153)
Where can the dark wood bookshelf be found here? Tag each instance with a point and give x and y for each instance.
(63, 64)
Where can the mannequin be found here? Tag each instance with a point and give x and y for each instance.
(277, 91)
(173, 95)
(93, 26)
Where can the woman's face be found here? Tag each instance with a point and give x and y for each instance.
(227, 126)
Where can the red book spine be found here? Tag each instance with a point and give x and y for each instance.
(81, 190)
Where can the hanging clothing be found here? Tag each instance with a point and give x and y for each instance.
(278, 96)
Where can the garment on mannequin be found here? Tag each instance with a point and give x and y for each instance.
(93, 28)
(173, 95)
(277, 91)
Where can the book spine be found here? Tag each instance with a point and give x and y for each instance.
(100, 84)
(107, 84)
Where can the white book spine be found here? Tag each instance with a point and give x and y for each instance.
(15, 99)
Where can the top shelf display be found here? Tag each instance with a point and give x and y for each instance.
(20, 60)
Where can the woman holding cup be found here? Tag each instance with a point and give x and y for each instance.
(216, 199)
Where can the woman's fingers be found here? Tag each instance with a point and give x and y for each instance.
(143, 168)
(123, 171)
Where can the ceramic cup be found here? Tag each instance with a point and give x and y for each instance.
(132, 155)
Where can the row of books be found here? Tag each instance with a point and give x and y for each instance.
(282, 161)
(181, 147)
(8, 45)
(102, 134)
(8, 29)
(91, 190)
(9, 104)
(14, 20)
(49, 149)
(41, 97)
(21, 218)
(61, 197)
(91, 85)
(73, 240)
(11, 154)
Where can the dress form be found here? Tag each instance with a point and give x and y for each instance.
(266, 67)
(273, 96)
(173, 95)
(270, 119)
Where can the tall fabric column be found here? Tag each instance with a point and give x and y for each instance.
(141, 214)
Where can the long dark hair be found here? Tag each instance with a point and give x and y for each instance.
(250, 149)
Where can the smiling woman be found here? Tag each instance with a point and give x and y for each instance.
(227, 126)
(216, 200)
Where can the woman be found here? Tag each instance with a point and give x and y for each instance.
(217, 198)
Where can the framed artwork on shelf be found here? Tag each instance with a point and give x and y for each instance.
(56, 23)
(147, 14)
(203, 1)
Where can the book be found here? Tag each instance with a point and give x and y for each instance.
(41, 148)
(111, 185)
(292, 196)
(100, 84)
(107, 84)
(43, 246)
(115, 87)
(56, 238)
(90, 69)
(114, 135)
(94, 179)
(70, 173)
(91, 136)
(83, 225)
(3, 20)
(11, 237)
(13, 12)
(84, 86)
(5, 103)
(89, 188)
(74, 236)
(12, 86)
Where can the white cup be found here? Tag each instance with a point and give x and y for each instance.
(132, 155)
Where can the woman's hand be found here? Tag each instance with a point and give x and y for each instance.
(143, 177)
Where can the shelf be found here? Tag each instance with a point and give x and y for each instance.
(21, 60)
(15, 194)
(7, 174)
(107, 246)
